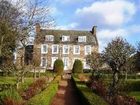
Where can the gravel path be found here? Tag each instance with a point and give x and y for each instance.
(66, 94)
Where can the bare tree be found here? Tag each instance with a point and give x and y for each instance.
(9, 16)
(116, 54)
(36, 63)
(138, 57)
(94, 60)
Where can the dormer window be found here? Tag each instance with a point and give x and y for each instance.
(49, 38)
(65, 38)
(81, 38)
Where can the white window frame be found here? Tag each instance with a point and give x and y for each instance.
(82, 38)
(42, 49)
(65, 38)
(67, 60)
(53, 60)
(66, 46)
(49, 38)
(41, 64)
(74, 49)
(55, 45)
(87, 52)
(86, 66)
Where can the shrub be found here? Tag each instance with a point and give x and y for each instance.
(10, 97)
(58, 66)
(35, 88)
(10, 101)
(99, 88)
(123, 100)
(77, 66)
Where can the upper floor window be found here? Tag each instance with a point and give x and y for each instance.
(81, 38)
(44, 48)
(49, 38)
(76, 49)
(65, 38)
(55, 49)
(87, 49)
(65, 49)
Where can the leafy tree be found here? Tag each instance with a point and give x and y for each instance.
(77, 66)
(116, 54)
(58, 66)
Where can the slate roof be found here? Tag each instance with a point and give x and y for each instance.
(91, 38)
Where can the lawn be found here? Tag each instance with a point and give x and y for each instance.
(7, 80)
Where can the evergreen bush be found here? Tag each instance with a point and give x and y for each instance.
(77, 67)
(58, 66)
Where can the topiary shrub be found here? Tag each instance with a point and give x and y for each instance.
(58, 66)
(77, 67)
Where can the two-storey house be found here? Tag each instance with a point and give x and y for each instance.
(67, 45)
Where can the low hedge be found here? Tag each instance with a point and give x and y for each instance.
(45, 97)
(133, 85)
(86, 94)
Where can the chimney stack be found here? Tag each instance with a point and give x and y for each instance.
(94, 30)
(37, 27)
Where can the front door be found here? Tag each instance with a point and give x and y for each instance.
(66, 63)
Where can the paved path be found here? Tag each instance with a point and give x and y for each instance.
(66, 94)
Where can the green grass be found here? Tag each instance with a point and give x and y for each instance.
(135, 94)
(7, 80)
(25, 85)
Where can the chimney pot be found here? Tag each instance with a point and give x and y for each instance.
(94, 30)
(37, 27)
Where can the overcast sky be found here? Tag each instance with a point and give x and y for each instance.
(112, 18)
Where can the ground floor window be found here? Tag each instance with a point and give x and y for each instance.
(53, 60)
(43, 62)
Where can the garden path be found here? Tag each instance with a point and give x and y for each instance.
(66, 94)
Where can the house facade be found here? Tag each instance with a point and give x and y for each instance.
(67, 45)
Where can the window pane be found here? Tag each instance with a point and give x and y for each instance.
(55, 49)
(49, 38)
(65, 49)
(81, 38)
(44, 48)
(76, 49)
(87, 49)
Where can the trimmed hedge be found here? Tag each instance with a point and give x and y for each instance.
(58, 66)
(77, 66)
(86, 94)
(46, 96)
(133, 85)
